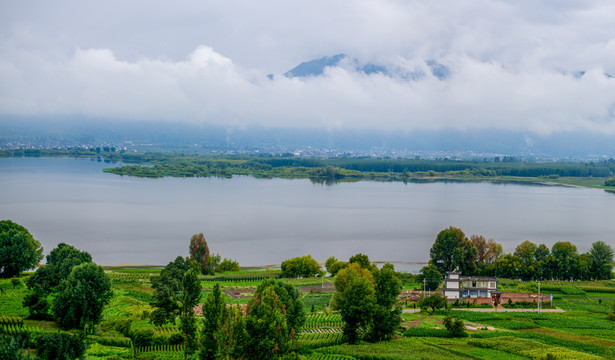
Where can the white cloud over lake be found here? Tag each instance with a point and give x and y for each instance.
(513, 65)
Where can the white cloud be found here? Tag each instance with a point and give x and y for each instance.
(512, 63)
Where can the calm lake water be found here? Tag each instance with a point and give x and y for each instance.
(126, 220)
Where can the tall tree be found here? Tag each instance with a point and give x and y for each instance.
(566, 255)
(526, 252)
(213, 313)
(199, 252)
(430, 277)
(361, 259)
(355, 298)
(601, 256)
(60, 262)
(452, 249)
(303, 266)
(189, 297)
(82, 297)
(290, 299)
(19, 250)
(266, 326)
(167, 288)
(387, 312)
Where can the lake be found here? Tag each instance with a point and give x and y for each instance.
(127, 220)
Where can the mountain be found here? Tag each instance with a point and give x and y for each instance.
(317, 67)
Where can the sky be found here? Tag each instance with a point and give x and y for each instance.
(514, 65)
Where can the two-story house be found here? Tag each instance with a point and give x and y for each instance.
(457, 286)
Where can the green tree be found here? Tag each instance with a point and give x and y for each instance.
(82, 297)
(433, 302)
(232, 336)
(361, 259)
(601, 255)
(290, 299)
(60, 347)
(330, 261)
(355, 298)
(60, 262)
(199, 252)
(11, 348)
(213, 313)
(36, 301)
(337, 266)
(526, 252)
(19, 250)
(228, 265)
(452, 249)
(167, 287)
(266, 326)
(566, 255)
(541, 253)
(387, 312)
(432, 277)
(455, 326)
(189, 297)
(303, 266)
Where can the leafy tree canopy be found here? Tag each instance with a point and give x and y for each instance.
(60, 262)
(19, 250)
(199, 252)
(601, 255)
(355, 298)
(82, 297)
(430, 276)
(290, 299)
(167, 288)
(452, 249)
(303, 266)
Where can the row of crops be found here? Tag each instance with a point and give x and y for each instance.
(256, 276)
(314, 340)
(319, 322)
(126, 279)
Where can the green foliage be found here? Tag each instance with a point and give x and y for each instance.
(60, 346)
(83, 296)
(451, 250)
(303, 266)
(337, 266)
(199, 252)
(432, 277)
(11, 348)
(290, 298)
(330, 261)
(142, 337)
(266, 326)
(361, 259)
(387, 312)
(610, 182)
(167, 288)
(601, 255)
(189, 297)
(355, 298)
(213, 312)
(228, 265)
(36, 301)
(433, 302)
(530, 348)
(455, 326)
(19, 251)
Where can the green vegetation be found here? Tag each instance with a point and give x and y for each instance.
(151, 315)
(19, 251)
(303, 266)
(587, 174)
(453, 250)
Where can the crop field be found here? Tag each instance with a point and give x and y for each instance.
(581, 332)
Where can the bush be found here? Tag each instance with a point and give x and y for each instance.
(433, 302)
(142, 337)
(303, 266)
(228, 265)
(60, 346)
(455, 326)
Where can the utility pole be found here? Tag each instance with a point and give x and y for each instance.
(424, 286)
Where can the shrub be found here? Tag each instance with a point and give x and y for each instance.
(142, 337)
(455, 326)
(303, 266)
(60, 346)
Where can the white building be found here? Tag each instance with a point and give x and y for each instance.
(457, 286)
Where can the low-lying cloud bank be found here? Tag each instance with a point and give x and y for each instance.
(208, 87)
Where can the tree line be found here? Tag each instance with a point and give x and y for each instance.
(478, 256)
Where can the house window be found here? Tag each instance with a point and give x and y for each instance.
(473, 283)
